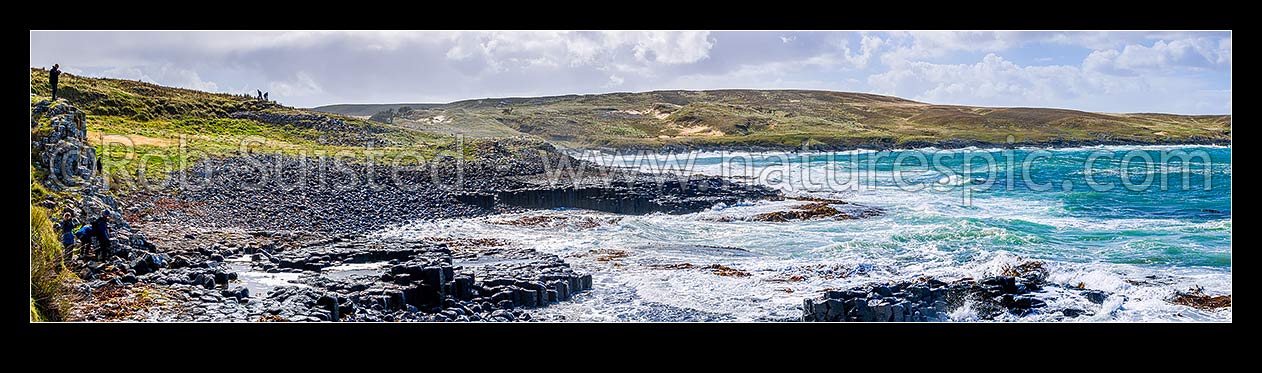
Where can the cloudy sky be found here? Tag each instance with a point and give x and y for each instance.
(1178, 72)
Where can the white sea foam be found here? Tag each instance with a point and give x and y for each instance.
(636, 288)
(929, 232)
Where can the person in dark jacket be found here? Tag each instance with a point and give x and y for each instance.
(84, 234)
(52, 79)
(67, 227)
(101, 230)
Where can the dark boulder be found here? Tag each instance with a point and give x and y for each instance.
(1095, 296)
(238, 293)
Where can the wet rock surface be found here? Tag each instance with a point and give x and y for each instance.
(574, 222)
(717, 269)
(1196, 298)
(1014, 292)
(929, 300)
(837, 210)
(427, 281)
(341, 280)
(636, 197)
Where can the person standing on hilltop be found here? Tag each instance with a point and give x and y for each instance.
(52, 79)
(265, 96)
(260, 94)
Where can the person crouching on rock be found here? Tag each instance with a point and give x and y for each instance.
(101, 231)
(52, 79)
(67, 227)
(84, 235)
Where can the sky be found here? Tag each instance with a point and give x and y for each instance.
(1169, 72)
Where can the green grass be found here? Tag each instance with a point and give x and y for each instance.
(787, 118)
(202, 128)
(38, 191)
(51, 283)
(36, 316)
(624, 131)
(137, 100)
(146, 165)
(141, 129)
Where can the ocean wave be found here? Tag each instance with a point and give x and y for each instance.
(1140, 251)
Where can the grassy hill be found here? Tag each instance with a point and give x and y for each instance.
(367, 110)
(126, 118)
(788, 118)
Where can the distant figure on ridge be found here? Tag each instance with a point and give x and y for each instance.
(265, 96)
(260, 93)
(52, 79)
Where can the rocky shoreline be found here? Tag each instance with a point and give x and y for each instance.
(363, 279)
(279, 238)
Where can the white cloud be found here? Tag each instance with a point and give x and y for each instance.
(615, 81)
(867, 46)
(1197, 53)
(995, 81)
(838, 57)
(911, 46)
(301, 85)
(1224, 51)
(167, 75)
(129, 73)
(506, 51)
(191, 80)
(671, 47)
(1118, 71)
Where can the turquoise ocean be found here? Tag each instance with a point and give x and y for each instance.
(1138, 222)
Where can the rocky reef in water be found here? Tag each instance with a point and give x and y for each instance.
(926, 299)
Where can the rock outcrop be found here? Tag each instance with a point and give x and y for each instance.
(61, 150)
(638, 196)
(66, 162)
(929, 300)
(334, 131)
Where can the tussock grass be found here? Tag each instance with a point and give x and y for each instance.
(51, 283)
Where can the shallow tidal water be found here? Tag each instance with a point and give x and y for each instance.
(953, 218)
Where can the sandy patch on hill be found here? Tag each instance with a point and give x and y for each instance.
(648, 113)
(700, 131)
(97, 138)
